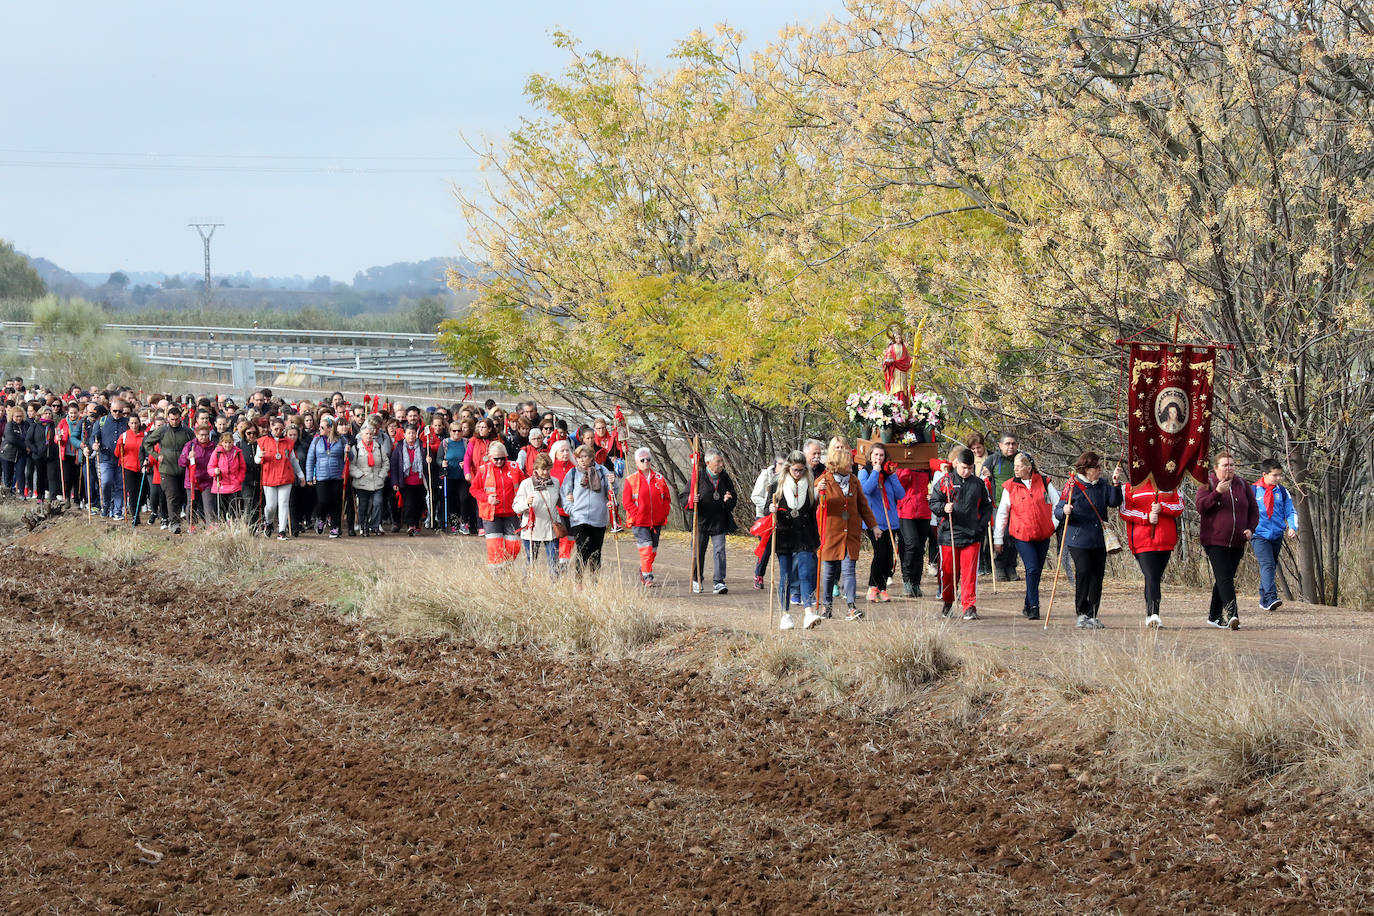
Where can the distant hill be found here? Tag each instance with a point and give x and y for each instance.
(60, 282)
(380, 288)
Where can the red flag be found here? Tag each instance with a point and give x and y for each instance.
(467, 391)
(1169, 423)
(761, 530)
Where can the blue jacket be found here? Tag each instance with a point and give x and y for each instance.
(1271, 527)
(323, 462)
(887, 518)
(1084, 530)
(453, 451)
(582, 505)
(108, 429)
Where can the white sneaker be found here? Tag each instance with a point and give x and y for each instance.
(1153, 621)
(811, 619)
(696, 588)
(787, 623)
(1083, 622)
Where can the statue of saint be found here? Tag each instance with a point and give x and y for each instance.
(898, 362)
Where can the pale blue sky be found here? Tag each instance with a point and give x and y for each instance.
(204, 98)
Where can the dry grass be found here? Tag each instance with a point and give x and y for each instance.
(1357, 569)
(1207, 723)
(230, 553)
(122, 548)
(511, 608)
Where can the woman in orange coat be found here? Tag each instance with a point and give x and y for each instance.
(844, 512)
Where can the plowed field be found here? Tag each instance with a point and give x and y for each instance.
(167, 749)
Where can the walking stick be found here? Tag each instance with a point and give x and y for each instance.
(142, 476)
(696, 514)
(820, 563)
(773, 547)
(62, 472)
(615, 522)
(191, 507)
(1058, 567)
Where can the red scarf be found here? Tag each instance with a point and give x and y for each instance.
(371, 462)
(1268, 496)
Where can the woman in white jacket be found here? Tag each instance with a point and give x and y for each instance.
(536, 503)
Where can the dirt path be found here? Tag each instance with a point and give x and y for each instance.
(268, 755)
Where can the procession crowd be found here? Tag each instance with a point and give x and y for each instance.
(529, 483)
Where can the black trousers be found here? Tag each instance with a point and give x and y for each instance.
(1225, 561)
(174, 489)
(915, 534)
(71, 478)
(1089, 567)
(413, 503)
(135, 491)
(881, 569)
(587, 539)
(1152, 565)
(329, 493)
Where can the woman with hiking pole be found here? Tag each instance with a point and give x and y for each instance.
(883, 492)
(1084, 514)
(962, 499)
(129, 454)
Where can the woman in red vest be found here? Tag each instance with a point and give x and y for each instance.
(1152, 533)
(1026, 512)
(281, 469)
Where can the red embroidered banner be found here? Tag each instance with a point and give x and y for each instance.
(1170, 421)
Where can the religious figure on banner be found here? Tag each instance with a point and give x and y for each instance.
(1171, 410)
(899, 362)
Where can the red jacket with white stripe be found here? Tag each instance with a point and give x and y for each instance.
(647, 499)
(1141, 536)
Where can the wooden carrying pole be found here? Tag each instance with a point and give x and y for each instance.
(694, 496)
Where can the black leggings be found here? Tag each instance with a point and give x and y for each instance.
(915, 533)
(1225, 561)
(1152, 565)
(413, 503)
(1089, 568)
(881, 568)
(329, 493)
(135, 491)
(588, 540)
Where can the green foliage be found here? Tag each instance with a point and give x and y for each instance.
(426, 314)
(18, 279)
(72, 346)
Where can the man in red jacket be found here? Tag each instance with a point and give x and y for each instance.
(1229, 516)
(647, 501)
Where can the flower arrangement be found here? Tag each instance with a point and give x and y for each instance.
(877, 408)
(910, 437)
(929, 408)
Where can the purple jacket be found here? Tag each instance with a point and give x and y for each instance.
(1226, 516)
(203, 454)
